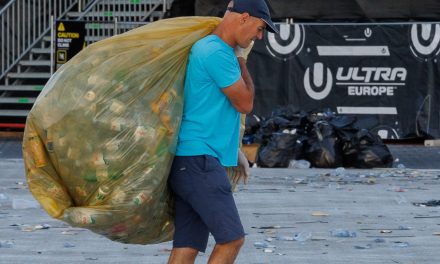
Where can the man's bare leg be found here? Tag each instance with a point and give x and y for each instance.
(226, 253)
(183, 256)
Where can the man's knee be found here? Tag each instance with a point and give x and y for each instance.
(183, 255)
(237, 244)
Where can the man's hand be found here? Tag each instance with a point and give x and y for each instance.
(243, 53)
(242, 171)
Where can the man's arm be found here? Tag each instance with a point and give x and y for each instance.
(241, 93)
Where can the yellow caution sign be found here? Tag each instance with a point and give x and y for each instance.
(69, 38)
(61, 27)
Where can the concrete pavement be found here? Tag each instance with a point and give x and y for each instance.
(276, 207)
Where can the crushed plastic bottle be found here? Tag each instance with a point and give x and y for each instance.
(401, 166)
(302, 236)
(399, 244)
(340, 171)
(68, 245)
(342, 233)
(43, 226)
(285, 238)
(368, 246)
(6, 244)
(263, 245)
(299, 164)
(27, 228)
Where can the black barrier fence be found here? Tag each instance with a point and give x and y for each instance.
(386, 74)
(344, 10)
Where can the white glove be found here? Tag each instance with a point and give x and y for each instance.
(242, 171)
(243, 53)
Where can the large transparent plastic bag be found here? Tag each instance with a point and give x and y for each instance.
(99, 141)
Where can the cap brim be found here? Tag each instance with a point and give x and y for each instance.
(271, 27)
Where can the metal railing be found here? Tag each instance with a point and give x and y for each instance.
(137, 11)
(23, 23)
(98, 30)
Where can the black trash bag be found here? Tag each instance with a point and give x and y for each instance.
(281, 123)
(366, 150)
(281, 148)
(341, 122)
(345, 127)
(324, 148)
(267, 128)
(283, 117)
(286, 112)
(296, 118)
(366, 122)
(252, 124)
(325, 115)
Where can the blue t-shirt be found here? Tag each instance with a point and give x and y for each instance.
(210, 123)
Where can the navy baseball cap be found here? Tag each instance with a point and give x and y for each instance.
(255, 8)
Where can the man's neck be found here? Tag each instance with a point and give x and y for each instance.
(223, 33)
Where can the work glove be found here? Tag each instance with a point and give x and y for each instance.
(242, 171)
(243, 52)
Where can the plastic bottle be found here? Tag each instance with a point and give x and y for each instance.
(102, 174)
(90, 96)
(285, 238)
(6, 244)
(49, 140)
(342, 233)
(299, 164)
(37, 149)
(303, 236)
(120, 230)
(101, 194)
(117, 106)
(55, 191)
(399, 244)
(339, 172)
(163, 102)
(87, 217)
(142, 198)
(118, 196)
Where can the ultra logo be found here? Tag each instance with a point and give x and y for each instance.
(320, 76)
(359, 81)
(288, 43)
(425, 40)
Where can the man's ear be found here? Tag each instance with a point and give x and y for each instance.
(244, 17)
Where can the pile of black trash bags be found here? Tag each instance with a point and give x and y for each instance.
(324, 139)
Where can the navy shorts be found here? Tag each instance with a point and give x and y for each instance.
(203, 203)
